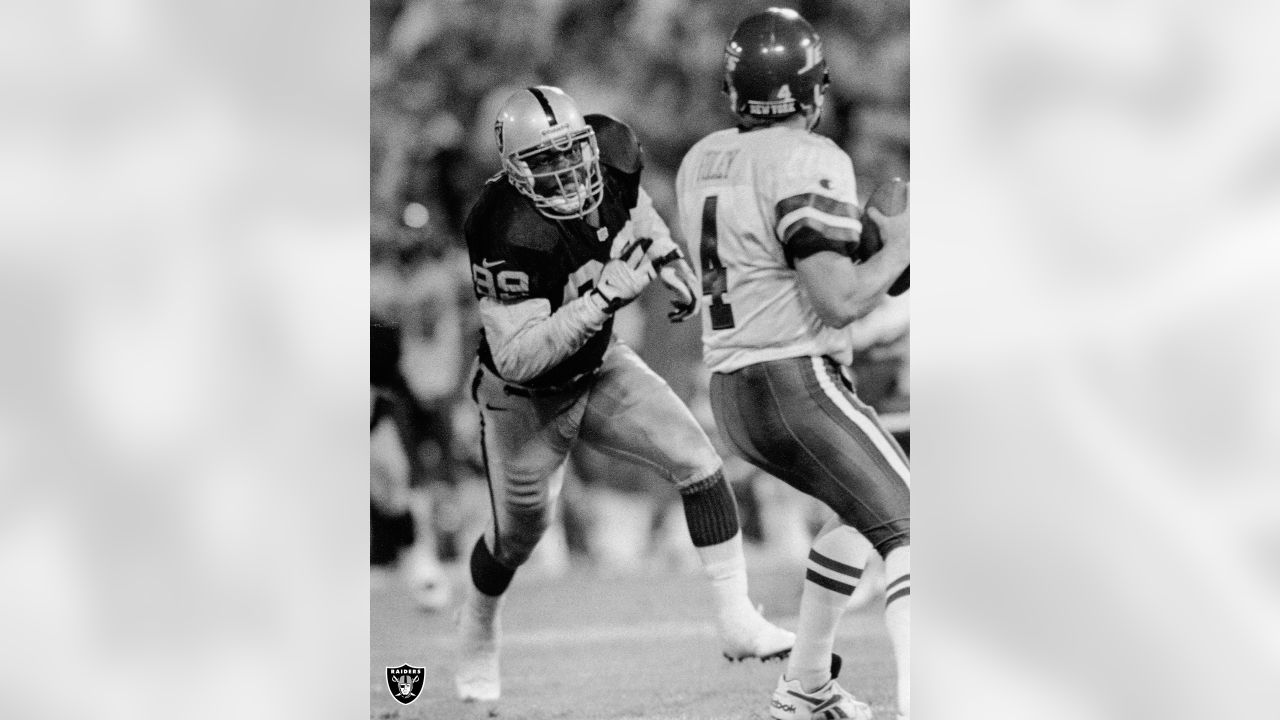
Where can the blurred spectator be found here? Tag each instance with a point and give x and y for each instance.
(417, 364)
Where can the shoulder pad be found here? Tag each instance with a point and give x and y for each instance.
(622, 188)
(619, 147)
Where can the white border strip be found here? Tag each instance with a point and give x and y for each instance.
(825, 218)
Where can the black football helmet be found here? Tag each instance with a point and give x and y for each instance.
(774, 67)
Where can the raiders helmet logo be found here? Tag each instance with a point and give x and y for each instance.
(405, 683)
(497, 133)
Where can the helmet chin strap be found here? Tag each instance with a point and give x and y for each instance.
(812, 119)
(814, 115)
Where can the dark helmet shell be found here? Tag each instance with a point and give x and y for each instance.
(774, 66)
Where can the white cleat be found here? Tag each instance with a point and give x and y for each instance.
(477, 679)
(751, 636)
(829, 702)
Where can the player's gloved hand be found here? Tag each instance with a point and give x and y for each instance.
(678, 276)
(625, 276)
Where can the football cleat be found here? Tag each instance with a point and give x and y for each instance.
(829, 702)
(477, 679)
(751, 636)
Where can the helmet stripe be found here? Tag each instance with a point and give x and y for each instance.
(546, 106)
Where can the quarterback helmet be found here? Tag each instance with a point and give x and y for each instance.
(774, 67)
(549, 152)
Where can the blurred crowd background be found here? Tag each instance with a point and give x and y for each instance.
(439, 71)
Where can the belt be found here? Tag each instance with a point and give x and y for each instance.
(573, 385)
(551, 390)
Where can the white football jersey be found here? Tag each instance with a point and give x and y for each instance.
(742, 197)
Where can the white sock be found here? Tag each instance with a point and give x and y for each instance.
(481, 616)
(835, 565)
(726, 569)
(897, 616)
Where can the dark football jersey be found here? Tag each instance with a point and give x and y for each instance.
(518, 254)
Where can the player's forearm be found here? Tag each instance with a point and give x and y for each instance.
(872, 280)
(867, 286)
(529, 341)
(841, 291)
(886, 323)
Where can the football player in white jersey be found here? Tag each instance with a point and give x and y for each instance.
(775, 209)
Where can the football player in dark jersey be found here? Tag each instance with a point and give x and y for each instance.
(560, 240)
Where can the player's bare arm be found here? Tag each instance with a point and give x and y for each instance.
(842, 291)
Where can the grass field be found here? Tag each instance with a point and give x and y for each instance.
(584, 646)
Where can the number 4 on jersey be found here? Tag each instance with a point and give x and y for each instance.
(715, 279)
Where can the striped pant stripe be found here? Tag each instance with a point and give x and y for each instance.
(867, 425)
(488, 481)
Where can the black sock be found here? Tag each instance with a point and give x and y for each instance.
(487, 574)
(711, 511)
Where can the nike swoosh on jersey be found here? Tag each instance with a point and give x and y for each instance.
(491, 263)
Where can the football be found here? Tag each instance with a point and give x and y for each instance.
(891, 198)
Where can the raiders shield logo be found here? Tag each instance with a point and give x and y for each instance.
(405, 683)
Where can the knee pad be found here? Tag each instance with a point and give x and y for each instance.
(691, 459)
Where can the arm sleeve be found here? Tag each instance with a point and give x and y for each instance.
(527, 339)
(646, 222)
(817, 203)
